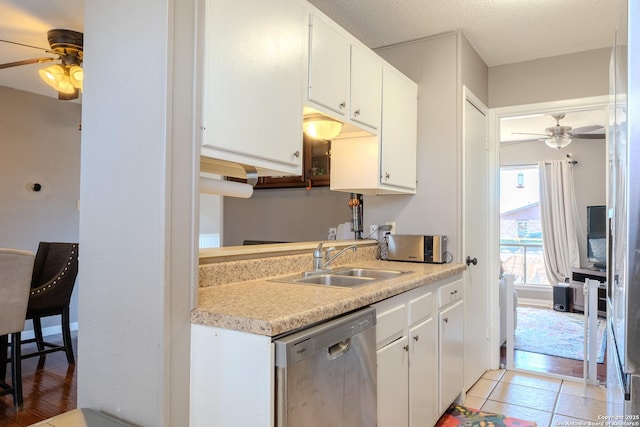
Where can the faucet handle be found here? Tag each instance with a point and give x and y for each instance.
(328, 251)
(318, 252)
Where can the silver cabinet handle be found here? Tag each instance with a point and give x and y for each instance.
(357, 112)
(416, 338)
(296, 154)
(406, 348)
(387, 175)
(343, 104)
(445, 320)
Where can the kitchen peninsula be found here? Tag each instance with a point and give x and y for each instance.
(240, 310)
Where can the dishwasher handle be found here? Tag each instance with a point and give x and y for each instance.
(338, 349)
(330, 336)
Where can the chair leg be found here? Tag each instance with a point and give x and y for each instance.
(37, 331)
(16, 371)
(66, 335)
(4, 343)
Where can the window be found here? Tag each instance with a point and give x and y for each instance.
(520, 225)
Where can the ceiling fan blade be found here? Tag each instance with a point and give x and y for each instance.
(528, 133)
(588, 132)
(26, 62)
(28, 45)
(588, 136)
(586, 129)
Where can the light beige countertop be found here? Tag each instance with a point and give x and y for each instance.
(265, 307)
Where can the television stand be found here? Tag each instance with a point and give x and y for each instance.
(578, 277)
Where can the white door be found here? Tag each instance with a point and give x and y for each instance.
(475, 241)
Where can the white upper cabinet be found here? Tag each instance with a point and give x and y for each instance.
(254, 75)
(386, 163)
(329, 66)
(366, 87)
(345, 77)
(265, 63)
(399, 130)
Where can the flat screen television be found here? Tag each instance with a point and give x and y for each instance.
(597, 236)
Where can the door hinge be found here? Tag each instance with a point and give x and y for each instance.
(488, 332)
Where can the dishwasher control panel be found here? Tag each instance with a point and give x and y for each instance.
(300, 345)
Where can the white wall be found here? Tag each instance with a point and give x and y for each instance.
(137, 230)
(40, 144)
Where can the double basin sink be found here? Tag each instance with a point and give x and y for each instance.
(346, 277)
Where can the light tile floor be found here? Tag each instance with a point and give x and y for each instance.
(549, 402)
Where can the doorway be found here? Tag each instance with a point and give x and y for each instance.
(522, 131)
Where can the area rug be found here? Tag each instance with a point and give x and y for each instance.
(555, 333)
(458, 415)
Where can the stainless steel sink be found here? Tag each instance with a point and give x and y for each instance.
(334, 280)
(369, 273)
(346, 277)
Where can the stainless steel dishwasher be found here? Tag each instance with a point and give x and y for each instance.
(326, 374)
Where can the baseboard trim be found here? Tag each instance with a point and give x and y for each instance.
(535, 302)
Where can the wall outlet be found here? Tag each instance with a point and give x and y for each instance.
(373, 231)
(393, 226)
(333, 232)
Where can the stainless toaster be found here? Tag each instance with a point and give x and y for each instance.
(417, 248)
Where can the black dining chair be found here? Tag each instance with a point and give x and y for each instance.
(15, 275)
(54, 276)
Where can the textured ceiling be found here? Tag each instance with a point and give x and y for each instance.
(502, 31)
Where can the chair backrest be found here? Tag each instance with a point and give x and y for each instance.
(54, 275)
(16, 267)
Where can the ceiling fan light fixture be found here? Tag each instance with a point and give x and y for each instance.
(58, 78)
(558, 141)
(52, 74)
(321, 127)
(76, 76)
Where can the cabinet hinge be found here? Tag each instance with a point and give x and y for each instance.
(488, 332)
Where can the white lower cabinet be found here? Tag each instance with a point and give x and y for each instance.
(423, 354)
(393, 383)
(451, 343)
(407, 359)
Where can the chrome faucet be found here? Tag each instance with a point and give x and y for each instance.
(322, 260)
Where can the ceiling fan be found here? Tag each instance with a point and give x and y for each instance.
(67, 75)
(560, 136)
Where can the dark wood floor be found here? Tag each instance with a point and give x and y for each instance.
(49, 387)
(552, 364)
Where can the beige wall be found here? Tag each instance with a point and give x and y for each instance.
(578, 75)
(284, 215)
(474, 72)
(40, 144)
(438, 65)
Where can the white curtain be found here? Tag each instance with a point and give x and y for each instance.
(558, 214)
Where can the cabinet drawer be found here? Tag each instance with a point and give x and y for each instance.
(421, 308)
(391, 323)
(450, 293)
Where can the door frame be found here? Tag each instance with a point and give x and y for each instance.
(495, 115)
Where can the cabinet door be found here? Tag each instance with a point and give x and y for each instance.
(366, 87)
(329, 57)
(451, 357)
(399, 130)
(423, 374)
(393, 377)
(254, 75)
